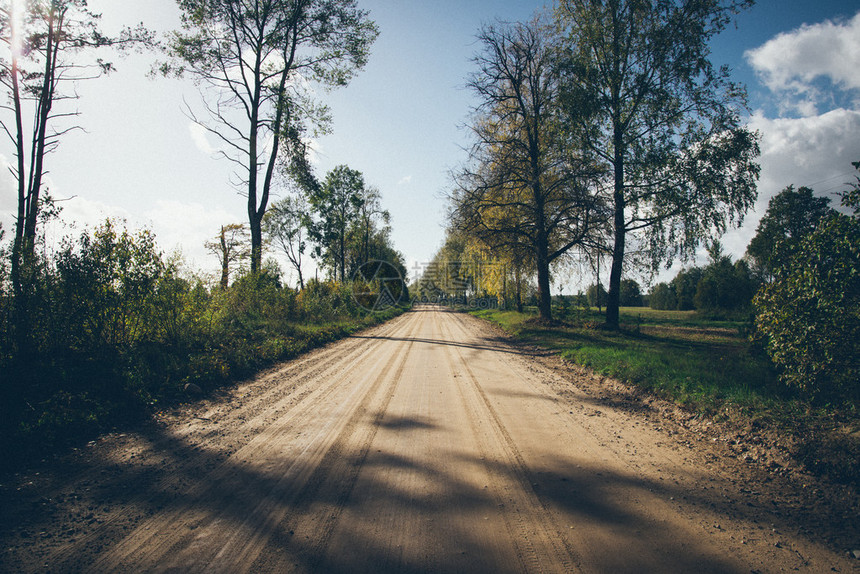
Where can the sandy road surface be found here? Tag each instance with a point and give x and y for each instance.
(423, 445)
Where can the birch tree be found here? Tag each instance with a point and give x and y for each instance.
(641, 91)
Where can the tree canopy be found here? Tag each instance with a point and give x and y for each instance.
(256, 59)
(526, 188)
(810, 313)
(641, 91)
(791, 215)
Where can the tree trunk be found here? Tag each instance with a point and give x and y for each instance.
(544, 296)
(614, 296)
(301, 280)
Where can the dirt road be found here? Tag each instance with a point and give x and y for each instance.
(423, 445)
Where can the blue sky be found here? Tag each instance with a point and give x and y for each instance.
(399, 121)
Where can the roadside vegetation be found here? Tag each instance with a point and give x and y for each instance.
(705, 365)
(99, 331)
(114, 330)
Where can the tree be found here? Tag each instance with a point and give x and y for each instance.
(52, 45)
(596, 295)
(723, 285)
(526, 185)
(337, 203)
(366, 230)
(663, 297)
(257, 57)
(791, 215)
(631, 295)
(810, 313)
(684, 285)
(230, 246)
(642, 93)
(284, 226)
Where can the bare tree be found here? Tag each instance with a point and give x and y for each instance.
(50, 44)
(256, 58)
(230, 246)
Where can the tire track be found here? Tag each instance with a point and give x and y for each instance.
(182, 447)
(540, 545)
(261, 459)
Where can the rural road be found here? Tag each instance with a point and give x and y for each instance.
(427, 444)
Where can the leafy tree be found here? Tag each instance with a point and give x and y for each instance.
(631, 294)
(725, 286)
(662, 297)
(52, 46)
(525, 186)
(337, 204)
(367, 233)
(230, 246)
(810, 312)
(256, 57)
(596, 295)
(643, 95)
(103, 290)
(284, 226)
(791, 215)
(684, 286)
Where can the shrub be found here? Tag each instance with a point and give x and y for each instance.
(810, 314)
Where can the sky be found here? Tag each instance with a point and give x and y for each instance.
(400, 122)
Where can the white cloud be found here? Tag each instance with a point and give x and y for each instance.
(791, 62)
(813, 151)
(201, 140)
(405, 180)
(187, 226)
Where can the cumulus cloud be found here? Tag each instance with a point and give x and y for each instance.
(813, 151)
(792, 62)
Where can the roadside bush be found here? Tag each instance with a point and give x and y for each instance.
(809, 315)
(114, 329)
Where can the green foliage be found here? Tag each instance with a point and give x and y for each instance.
(791, 215)
(640, 92)
(684, 285)
(725, 286)
(810, 313)
(663, 297)
(116, 330)
(596, 295)
(348, 225)
(631, 295)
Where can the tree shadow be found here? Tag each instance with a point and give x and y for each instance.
(587, 502)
